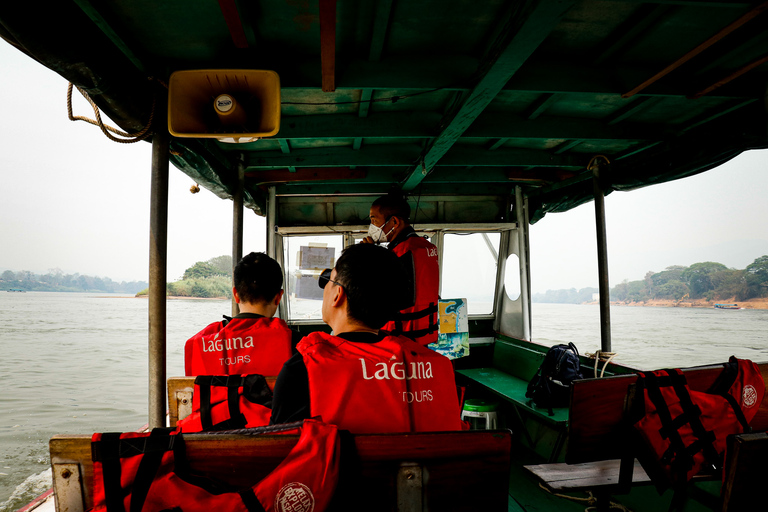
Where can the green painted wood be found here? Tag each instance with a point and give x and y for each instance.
(512, 389)
(525, 41)
(382, 14)
(105, 27)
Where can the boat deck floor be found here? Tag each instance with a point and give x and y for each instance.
(526, 494)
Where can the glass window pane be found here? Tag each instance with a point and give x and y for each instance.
(305, 258)
(512, 277)
(469, 269)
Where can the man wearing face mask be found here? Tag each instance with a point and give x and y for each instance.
(389, 223)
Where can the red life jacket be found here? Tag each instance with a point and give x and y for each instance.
(240, 346)
(419, 322)
(140, 471)
(228, 402)
(684, 429)
(394, 385)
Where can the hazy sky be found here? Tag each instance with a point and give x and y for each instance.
(72, 199)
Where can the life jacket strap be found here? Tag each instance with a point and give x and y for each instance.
(203, 384)
(250, 501)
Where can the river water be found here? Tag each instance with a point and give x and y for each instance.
(77, 363)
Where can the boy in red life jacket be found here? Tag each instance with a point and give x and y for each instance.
(253, 341)
(389, 223)
(359, 378)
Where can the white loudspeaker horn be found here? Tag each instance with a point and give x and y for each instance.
(232, 105)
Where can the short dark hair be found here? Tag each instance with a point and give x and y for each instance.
(373, 280)
(394, 205)
(258, 278)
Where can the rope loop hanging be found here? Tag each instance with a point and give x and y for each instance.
(598, 355)
(131, 137)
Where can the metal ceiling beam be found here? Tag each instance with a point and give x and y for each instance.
(493, 125)
(378, 189)
(510, 58)
(374, 155)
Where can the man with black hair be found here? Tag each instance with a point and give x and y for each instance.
(389, 223)
(253, 341)
(360, 378)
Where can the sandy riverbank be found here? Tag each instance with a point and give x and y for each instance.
(761, 303)
(176, 297)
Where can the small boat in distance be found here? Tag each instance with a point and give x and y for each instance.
(16, 290)
(727, 306)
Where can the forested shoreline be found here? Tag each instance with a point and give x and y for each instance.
(57, 281)
(705, 280)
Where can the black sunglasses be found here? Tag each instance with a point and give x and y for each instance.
(325, 278)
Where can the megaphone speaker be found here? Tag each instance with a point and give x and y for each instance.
(232, 105)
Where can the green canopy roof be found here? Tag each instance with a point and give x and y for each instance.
(436, 97)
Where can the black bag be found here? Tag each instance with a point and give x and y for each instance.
(551, 386)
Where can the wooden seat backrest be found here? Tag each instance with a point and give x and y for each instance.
(180, 392)
(458, 470)
(746, 471)
(597, 409)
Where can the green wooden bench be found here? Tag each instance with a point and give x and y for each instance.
(598, 441)
(514, 364)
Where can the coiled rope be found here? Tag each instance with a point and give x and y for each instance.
(132, 137)
(608, 356)
(591, 501)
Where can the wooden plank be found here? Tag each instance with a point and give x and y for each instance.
(234, 24)
(700, 48)
(455, 462)
(572, 477)
(597, 408)
(328, 44)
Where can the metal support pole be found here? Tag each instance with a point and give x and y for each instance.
(237, 225)
(602, 257)
(523, 258)
(271, 223)
(158, 258)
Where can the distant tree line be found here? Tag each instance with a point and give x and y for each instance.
(706, 280)
(572, 296)
(208, 279)
(57, 281)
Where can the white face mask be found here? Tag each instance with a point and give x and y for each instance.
(377, 234)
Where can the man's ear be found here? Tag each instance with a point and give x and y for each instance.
(278, 297)
(235, 295)
(339, 296)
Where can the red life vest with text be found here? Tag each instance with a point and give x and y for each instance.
(419, 322)
(228, 402)
(683, 429)
(241, 346)
(394, 385)
(148, 472)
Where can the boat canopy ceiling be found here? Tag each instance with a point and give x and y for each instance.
(434, 97)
